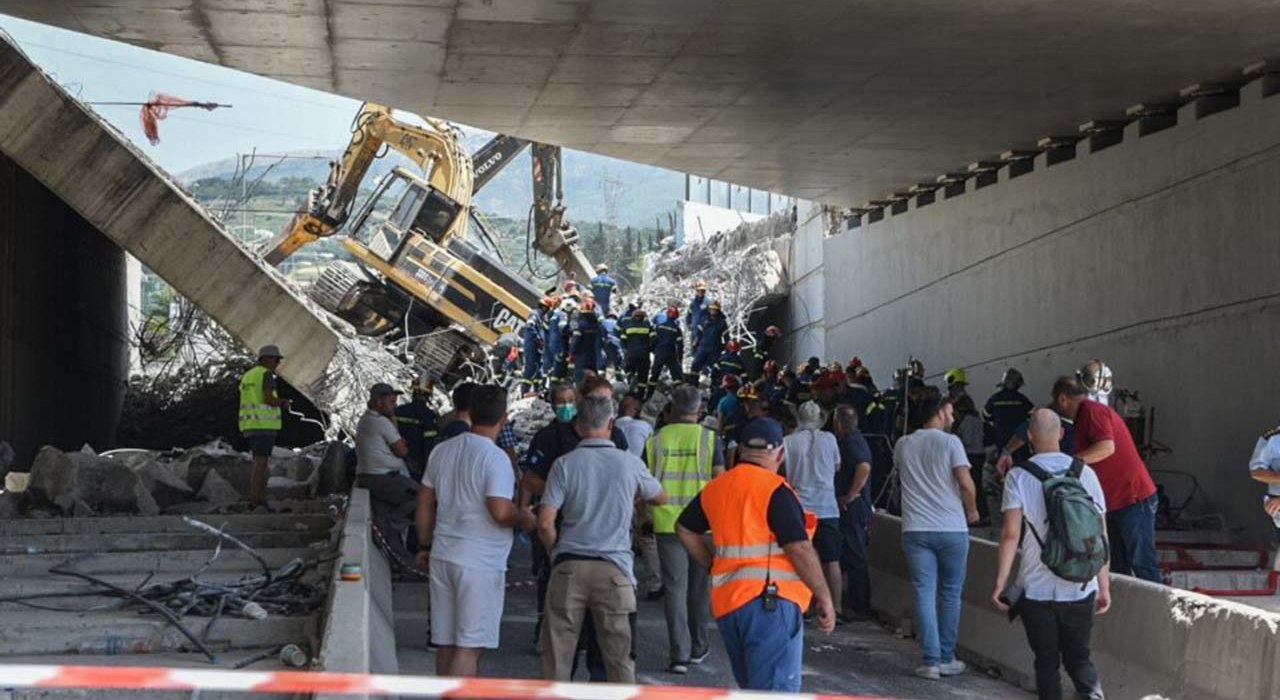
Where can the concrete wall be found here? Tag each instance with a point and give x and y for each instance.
(63, 330)
(696, 221)
(805, 332)
(1157, 254)
(1155, 639)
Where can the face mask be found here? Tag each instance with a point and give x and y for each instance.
(566, 412)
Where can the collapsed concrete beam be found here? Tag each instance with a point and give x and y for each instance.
(115, 187)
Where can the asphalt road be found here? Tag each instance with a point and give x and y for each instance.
(857, 659)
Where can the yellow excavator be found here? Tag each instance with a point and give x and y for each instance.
(417, 280)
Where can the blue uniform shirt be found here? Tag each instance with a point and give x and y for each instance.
(697, 311)
(1266, 456)
(603, 286)
(669, 340)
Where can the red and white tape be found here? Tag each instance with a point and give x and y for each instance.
(125, 678)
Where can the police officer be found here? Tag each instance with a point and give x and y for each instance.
(588, 341)
(555, 358)
(709, 338)
(603, 287)
(637, 344)
(535, 344)
(668, 347)
(419, 426)
(1264, 466)
(697, 311)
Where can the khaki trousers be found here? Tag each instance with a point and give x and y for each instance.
(598, 587)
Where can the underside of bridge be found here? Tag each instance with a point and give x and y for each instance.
(836, 101)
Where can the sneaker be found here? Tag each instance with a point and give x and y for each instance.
(679, 668)
(699, 657)
(953, 668)
(932, 673)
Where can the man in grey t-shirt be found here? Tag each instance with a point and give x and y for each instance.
(380, 468)
(594, 487)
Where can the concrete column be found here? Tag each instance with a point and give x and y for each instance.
(64, 352)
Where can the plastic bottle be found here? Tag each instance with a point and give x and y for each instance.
(293, 656)
(253, 611)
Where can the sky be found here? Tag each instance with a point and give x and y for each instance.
(270, 115)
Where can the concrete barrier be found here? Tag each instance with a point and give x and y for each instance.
(358, 633)
(1155, 640)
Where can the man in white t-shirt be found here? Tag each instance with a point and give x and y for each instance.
(381, 468)
(636, 429)
(465, 517)
(813, 458)
(1057, 614)
(939, 502)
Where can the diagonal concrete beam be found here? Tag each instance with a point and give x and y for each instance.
(133, 202)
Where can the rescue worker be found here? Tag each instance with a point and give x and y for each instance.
(697, 312)
(957, 379)
(1007, 409)
(729, 412)
(612, 342)
(505, 353)
(261, 417)
(637, 344)
(668, 347)
(710, 338)
(535, 344)
(588, 342)
(860, 394)
(603, 287)
(906, 380)
(763, 350)
(684, 456)
(764, 567)
(729, 362)
(555, 357)
(419, 426)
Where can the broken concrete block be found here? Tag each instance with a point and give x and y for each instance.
(110, 486)
(54, 480)
(218, 490)
(234, 468)
(17, 482)
(165, 486)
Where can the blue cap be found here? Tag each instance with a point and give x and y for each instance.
(761, 433)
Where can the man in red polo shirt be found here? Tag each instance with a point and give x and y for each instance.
(1102, 441)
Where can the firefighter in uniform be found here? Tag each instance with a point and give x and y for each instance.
(555, 358)
(697, 312)
(603, 287)
(587, 345)
(764, 570)
(261, 417)
(668, 347)
(709, 339)
(419, 426)
(637, 344)
(534, 335)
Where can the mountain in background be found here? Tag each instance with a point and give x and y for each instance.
(596, 188)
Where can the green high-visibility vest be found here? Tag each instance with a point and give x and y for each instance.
(680, 457)
(255, 412)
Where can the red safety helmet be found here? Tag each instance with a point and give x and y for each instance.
(733, 346)
(771, 367)
(730, 382)
(588, 304)
(673, 313)
(639, 313)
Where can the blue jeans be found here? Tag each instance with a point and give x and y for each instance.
(765, 647)
(1132, 531)
(937, 563)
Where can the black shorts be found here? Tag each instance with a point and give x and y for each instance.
(827, 540)
(261, 444)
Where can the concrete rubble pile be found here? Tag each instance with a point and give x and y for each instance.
(741, 267)
(211, 478)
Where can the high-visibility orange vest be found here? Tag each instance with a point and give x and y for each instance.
(736, 504)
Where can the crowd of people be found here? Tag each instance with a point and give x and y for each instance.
(748, 499)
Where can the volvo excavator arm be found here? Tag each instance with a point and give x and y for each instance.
(436, 148)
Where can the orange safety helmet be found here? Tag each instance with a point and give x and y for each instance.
(588, 304)
(549, 302)
(748, 393)
(713, 306)
(733, 346)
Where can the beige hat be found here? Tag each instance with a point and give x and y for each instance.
(810, 416)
